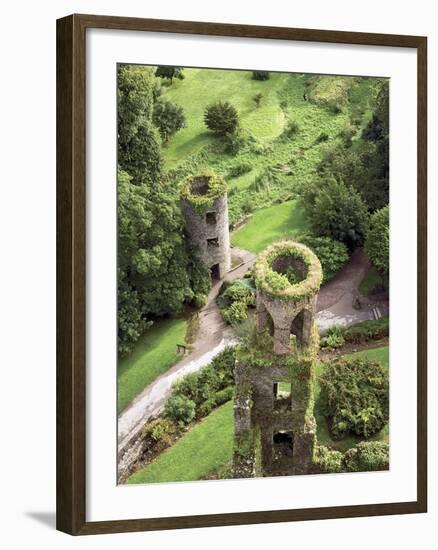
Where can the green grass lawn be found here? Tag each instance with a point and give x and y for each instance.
(323, 434)
(271, 224)
(154, 353)
(207, 446)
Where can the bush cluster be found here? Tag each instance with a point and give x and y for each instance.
(201, 391)
(239, 169)
(367, 330)
(366, 456)
(235, 298)
(160, 433)
(332, 254)
(355, 396)
(333, 339)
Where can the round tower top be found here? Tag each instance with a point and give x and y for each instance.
(288, 270)
(202, 190)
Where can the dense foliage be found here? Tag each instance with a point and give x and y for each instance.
(332, 254)
(355, 396)
(157, 273)
(367, 456)
(169, 72)
(377, 241)
(360, 333)
(337, 211)
(205, 384)
(235, 298)
(180, 408)
(168, 118)
(221, 118)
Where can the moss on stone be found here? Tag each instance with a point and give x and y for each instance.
(277, 284)
(213, 186)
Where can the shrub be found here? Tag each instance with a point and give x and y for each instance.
(160, 431)
(334, 338)
(180, 408)
(260, 75)
(377, 241)
(170, 73)
(367, 330)
(221, 118)
(235, 313)
(367, 456)
(217, 375)
(234, 141)
(217, 399)
(323, 136)
(239, 169)
(291, 130)
(241, 290)
(355, 396)
(329, 461)
(332, 254)
(258, 99)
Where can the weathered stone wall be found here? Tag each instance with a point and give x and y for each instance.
(200, 231)
(285, 425)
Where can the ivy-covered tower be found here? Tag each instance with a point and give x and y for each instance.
(205, 209)
(273, 408)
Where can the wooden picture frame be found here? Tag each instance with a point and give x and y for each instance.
(71, 273)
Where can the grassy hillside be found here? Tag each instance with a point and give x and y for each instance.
(277, 167)
(207, 446)
(153, 354)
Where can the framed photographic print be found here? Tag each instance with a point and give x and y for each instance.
(241, 288)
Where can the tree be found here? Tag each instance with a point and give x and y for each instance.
(168, 118)
(332, 254)
(377, 241)
(337, 211)
(221, 118)
(139, 142)
(260, 75)
(170, 73)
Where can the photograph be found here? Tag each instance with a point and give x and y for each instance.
(252, 274)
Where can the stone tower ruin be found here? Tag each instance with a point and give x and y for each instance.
(274, 425)
(205, 210)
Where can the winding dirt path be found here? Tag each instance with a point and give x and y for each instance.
(336, 298)
(213, 336)
(335, 306)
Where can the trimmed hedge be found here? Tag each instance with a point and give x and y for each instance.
(367, 330)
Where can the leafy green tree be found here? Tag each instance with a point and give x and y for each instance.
(221, 118)
(168, 118)
(139, 142)
(170, 73)
(377, 241)
(260, 75)
(338, 212)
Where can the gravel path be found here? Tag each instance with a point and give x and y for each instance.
(336, 298)
(213, 336)
(335, 306)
